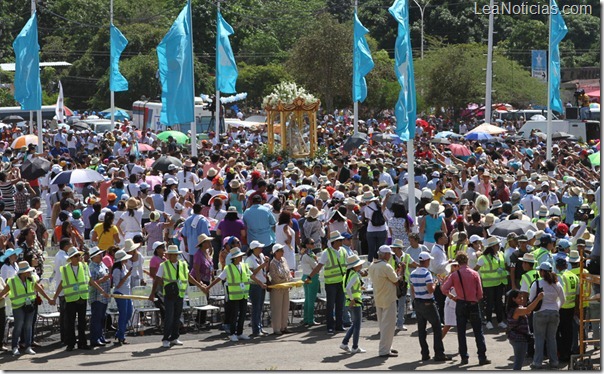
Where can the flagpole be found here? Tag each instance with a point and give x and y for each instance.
(217, 122)
(356, 103)
(411, 155)
(31, 122)
(489, 83)
(194, 123)
(549, 88)
(112, 93)
(39, 113)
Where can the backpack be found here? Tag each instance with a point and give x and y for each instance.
(377, 217)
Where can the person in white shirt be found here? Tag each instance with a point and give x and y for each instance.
(186, 178)
(549, 198)
(376, 235)
(258, 264)
(530, 202)
(61, 260)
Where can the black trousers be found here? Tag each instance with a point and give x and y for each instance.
(62, 319)
(73, 310)
(564, 337)
(237, 310)
(494, 297)
(440, 298)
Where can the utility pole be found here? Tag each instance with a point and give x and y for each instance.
(421, 12)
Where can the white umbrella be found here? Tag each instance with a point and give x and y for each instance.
(538, 117)
(487, 128)
(77, 176)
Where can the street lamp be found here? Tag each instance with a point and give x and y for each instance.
(421, 12)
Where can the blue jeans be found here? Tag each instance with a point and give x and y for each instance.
(23, 324)
(545, 326)
(335, 300)
(401, 310)
(355, 329)
(124, 306)
(426, 312)
(172, 320)
(257, 295)
(375, 239)
(310, 296)
(466, 312)
(97, 321)
(520, 349)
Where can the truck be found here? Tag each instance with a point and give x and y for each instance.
(146, 115)
(584, 130)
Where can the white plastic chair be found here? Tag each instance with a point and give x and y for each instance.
(141, 306)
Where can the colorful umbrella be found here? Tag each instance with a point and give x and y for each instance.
(24, 141)
(142, 147)
(459, 150)
(478, 136)
(595, 159)
(488, 129)
(177, 135)
(220, 195)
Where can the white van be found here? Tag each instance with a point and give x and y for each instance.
(146, 115)
(583, 130)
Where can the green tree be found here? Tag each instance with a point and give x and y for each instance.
(261, 48)
(7, 98)
(258, 81)
(325, 67)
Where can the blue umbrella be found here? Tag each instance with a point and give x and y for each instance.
(447, 134)
(77, 176)
(478, 136)
(120, 115)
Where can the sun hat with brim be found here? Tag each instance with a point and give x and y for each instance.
(132, 203)
(121, 255)
(173, 250)
(130, 245)
(314, 212)
(367, 196)
(555, 211)
(450, 265)
(546, 266)
(349, 201)
(33, 213)
(276, 247)
(24, 267)
(573, 256)
(491, 241)
(95, 251)
(353, 261)
(489, 219)
(334, 213)
(398, 243)
(203, 238)
(212, 173)
(9, 252)
(234, 184)
(542, 211)
(496, 204)
(575, 190)
(236, 252)
(335, 235)
(434, 207)
(256, 244)
(527, 257)
(73, 251)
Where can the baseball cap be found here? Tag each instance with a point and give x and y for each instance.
(475, 238)
(545, 266)
(562, 228)
(256, 244)
(425, 256)
(385, 249)
(347, 235)
(158, 244)
(563, 243)
(546, 239)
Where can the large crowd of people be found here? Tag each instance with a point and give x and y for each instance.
(499, 229)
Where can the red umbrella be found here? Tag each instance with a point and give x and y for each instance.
(459, 150)
(149, 163)
(422, 123)
(220, 195)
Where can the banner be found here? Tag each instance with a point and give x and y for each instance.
(28, 90)
(362, 63)
(117, 82)
(226, 68)
(405, 108)
(539, 64)
(175, 54)
(557, 33)
(59, 108)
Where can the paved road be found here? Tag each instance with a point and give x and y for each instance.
(304, 349)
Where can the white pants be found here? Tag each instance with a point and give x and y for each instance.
(387, 322)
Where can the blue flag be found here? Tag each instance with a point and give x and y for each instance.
(28, 90)
(226, 68)
(558, 31)
(175, 55)
(403, 67)
(117, 82)
(362, 62)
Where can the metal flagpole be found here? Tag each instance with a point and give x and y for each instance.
(194, 123)
(39, 113)
(112, 95)
(549, 88)
(411, 155)
(217, 122)
(356, 103)
(31, 122)
(489, 84)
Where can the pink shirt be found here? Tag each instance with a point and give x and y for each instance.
(472, 287)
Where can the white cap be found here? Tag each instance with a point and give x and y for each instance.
(178, 206)
(256, 244)
(530, 188)
(385, 249)
(158, 244)
(425, 256)
(475, 238)
(530, 234)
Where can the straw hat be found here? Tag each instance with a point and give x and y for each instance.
(236, 252)
(528, 257)
(33, 213)
(491, 241)
(132, 203)
(349, 201)
(367, 196)
(335, 235)
(353, 261)
(434, 207)
(575, 191)
(173, 250)
(489, 219)
(24, 267)
(203, 238)
(212, 172)
(95, 251)
(314, 212)
(121, 255)
(290, 167)
(398, 243)
(573, 256)
(73, 251)
(234, 184)
(130, 245)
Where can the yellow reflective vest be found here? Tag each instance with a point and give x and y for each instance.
(238, 283)
(75, 288)
(21, 295)
(334, 269)
(493, 272)
(179, 275)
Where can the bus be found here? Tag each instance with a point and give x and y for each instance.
(48, 112)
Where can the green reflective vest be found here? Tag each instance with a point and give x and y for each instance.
(75, 288)
(238, 282)
(21, 295)
(493, 272)
(356, 288)
(586, 287)
(570, 284)
(453, 249)
(335, 267)
(180, 276)
(541, 255)
(528, 278)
